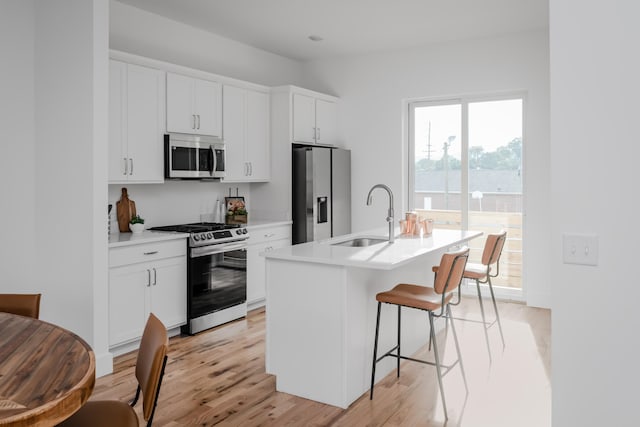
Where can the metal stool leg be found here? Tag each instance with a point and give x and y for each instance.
(455, 339)
(439, 371)
(375, 352)
(398, 358)
(484, 320)
(495, 307)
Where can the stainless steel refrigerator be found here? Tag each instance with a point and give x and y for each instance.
(321, 193)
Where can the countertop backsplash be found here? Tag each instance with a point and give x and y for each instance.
(177, 202)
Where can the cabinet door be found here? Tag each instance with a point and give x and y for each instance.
(180, 105)
(234, 128)
(326, 122)
(256, 283)
(304, 118)
(169, 291)
(258, 146)
(128, 302)
(145, 122)
(118, 157)
(208, 108)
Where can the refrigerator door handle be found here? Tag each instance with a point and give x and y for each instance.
(322, 209)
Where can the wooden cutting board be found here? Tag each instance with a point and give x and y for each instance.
(125, 209)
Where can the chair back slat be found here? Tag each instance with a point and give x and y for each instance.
(450, 271)
(150, 363)
(22, 304)
(493, 248)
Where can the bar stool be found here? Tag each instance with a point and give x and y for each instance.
(430, 299)
(482, 273)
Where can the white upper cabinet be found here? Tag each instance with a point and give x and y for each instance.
(326, 122)
(136, 123)
(304, 118)
(194, 106)
(314, 120)
(246, 134)
(258, 136)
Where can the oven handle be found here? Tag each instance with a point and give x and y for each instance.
(214, 161)
(216, 249)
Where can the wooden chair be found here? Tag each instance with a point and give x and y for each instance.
(435, 301)
(152, 358)
(23, 304)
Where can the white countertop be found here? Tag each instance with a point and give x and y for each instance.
(383, 256)
(265, 223)
(127, 239)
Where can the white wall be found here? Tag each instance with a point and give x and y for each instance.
(594, 103)
(53, 114)
(372, 89)
(17, 165)
(140, 32)
(175, 202)
(66, 178)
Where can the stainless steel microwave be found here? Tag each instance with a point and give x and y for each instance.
(193, 157)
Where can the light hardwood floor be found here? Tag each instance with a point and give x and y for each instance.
(218, 378)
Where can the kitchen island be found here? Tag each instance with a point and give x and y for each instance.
(321, 310)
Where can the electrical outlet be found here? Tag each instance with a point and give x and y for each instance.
(580, 249)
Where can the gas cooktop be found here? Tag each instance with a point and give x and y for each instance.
(196, 227)
(208, 233)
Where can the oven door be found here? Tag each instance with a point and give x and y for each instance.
(217, 278)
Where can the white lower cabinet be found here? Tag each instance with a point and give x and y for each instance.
(157, 285)
(262, 240)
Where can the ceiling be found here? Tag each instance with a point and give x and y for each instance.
(350, 27)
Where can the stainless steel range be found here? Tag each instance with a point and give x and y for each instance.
(216, 273)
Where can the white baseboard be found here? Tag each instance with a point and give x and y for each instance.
(104, 364)
(541, 300)
(252, 305)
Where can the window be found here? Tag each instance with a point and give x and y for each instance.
(465, 171)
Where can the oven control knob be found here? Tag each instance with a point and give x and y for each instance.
(244, 231)
(196, 237)
(238, 231)
(209, 236)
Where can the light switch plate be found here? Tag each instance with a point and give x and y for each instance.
(580, 249)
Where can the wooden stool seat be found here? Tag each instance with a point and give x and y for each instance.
(414, 296)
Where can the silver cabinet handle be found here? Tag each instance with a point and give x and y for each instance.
(250, 169)
(269, 235)
(155, 277)
(318, 131)
(151, 253)
(131, 167)
(246, 169)
(198, 115)
(193, 126)
(148, 278)
(126, 166)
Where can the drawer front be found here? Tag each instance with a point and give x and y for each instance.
(146, 252)
(267, 234)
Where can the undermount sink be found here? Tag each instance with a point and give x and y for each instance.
(361, 242)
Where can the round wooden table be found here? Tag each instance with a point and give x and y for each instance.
(46, 372)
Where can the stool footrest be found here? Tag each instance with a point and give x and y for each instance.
(487, 324)
(389, 353)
